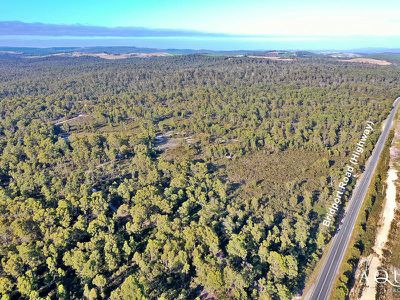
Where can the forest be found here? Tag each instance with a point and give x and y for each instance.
(180, 177)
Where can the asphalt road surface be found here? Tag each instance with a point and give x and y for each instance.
(322, 287)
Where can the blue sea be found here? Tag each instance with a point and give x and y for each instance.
(209, 43)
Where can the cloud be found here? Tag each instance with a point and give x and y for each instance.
(21, 28)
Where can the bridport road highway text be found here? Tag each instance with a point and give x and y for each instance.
(337, 201)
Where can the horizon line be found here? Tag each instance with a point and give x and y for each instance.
(20, 28)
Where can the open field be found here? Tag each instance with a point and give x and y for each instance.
(371, 61)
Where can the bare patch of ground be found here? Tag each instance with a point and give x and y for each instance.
(167, 141)
(368, 61)
(388, 212)
(71, 120)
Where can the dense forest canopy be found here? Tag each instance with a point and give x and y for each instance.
(174, 177)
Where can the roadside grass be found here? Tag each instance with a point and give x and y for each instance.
(310, 280)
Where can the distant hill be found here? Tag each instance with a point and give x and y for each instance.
(25, 51)
(390, 55)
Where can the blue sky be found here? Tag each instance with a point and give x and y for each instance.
(368, 17)
(311, 18)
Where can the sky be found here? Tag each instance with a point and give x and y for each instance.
(339, 19)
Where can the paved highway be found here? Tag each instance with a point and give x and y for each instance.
(327, 274)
